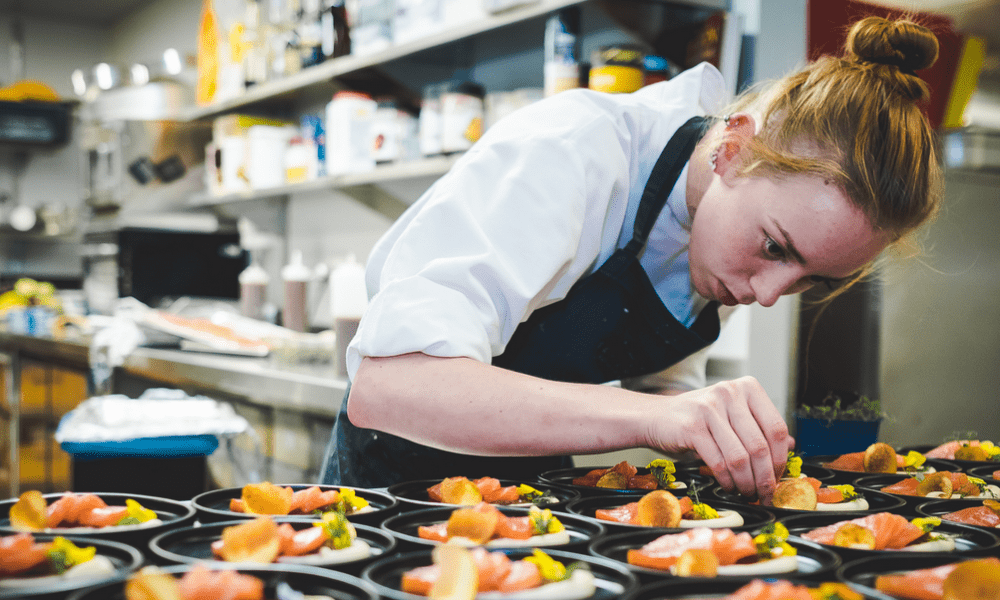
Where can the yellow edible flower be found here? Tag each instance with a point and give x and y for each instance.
(704, 511)
(663, 470)
(913, 460)
(65, 554)
(793, 468)
(991, 450)
(846, 490)
(834, 591)
(771, 542)
(527, 492)
(542, 521)
(352, 503)
(550, 569)
(138, 511)
(340, 532)
(926, 523)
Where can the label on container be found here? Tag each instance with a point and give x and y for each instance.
(461, 121)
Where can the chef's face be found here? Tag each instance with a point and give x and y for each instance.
(754, 239)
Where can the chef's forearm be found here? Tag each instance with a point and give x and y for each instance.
(462, 405)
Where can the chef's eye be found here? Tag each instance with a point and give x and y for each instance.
(773, 249)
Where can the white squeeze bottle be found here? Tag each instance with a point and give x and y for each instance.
(296, 277)
(253, 290)
(349, 299)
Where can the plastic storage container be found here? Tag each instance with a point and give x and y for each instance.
(462, 111)
(349, 118)
(295, 276)
(348, 302)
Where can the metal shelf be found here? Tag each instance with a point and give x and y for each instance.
(321, 74)
(428, 167)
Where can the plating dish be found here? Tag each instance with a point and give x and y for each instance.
(625, 478)
(130, 518)
(861, 535)
(459, 490)
(717, 553)
(912, 577)
(980, 514)
(941, 485)
(577, 577)
(753, 589)
(258, 582)
(362, 505)
(33, 565)
(494, 527)
(322, 543)
(622, 513)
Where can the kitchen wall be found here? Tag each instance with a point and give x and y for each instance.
(52, 50)
(940, 358)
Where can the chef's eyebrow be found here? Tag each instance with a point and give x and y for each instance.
(793, 251)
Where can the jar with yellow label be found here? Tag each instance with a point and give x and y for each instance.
(462, 112)
(617, 69)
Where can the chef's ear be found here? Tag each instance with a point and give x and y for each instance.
(728, 157)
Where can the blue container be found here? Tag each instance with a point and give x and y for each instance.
(820, 437)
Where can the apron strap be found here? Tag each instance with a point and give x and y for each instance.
(661, 182)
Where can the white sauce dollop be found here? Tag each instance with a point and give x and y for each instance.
(581, 584)
(110, 528)
(727, 518)
(99, 566)
(549, 539)
(856, 504)
(943, 543)
(358, 550)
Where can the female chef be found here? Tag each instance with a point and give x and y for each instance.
(592, 237)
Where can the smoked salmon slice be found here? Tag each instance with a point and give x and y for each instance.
(921, 584)
(974, 515)
(947, 449)
(497, 573)
(891, 531)
(202, 584)
(20, 553)
(629, 513)
(663, 552)
(313, 498)
(960, 485)
(775, 590)
(86, 510)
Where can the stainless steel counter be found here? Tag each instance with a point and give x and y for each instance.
(313, 391)
(307, 388)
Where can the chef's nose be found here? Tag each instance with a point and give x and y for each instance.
(771, 284)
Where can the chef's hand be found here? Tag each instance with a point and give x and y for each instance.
(736, 430)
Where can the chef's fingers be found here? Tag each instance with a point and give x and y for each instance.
(773, 427)
(755, 444)
(718, 419)
(714, 458)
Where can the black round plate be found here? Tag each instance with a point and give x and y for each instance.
(213, 506)
(404, 527)
(815, 561)
(877, 502)
(307, 580)
(614, 580)
(126, 560)
(189, 545)
(173, 513)
(984, 471)
(693, 588)
(972, 541)
(864, 571)
(413, 494)
(754, 517)
(964, 465)
(841, 477)
(937, 508)
(874, 483)
(565, 477)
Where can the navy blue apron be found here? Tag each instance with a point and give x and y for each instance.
(611, 325)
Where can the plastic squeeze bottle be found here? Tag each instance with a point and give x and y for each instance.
(296, 277)
(348, 298)
(253, 290)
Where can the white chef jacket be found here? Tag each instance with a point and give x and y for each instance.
(542, 200)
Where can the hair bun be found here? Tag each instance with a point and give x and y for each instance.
(900, 43)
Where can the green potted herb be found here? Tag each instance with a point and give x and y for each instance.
(835, 426)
